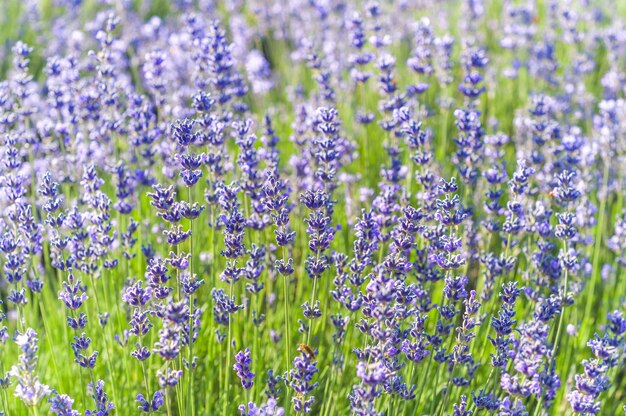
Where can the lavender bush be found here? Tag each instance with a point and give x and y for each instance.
(312, 207)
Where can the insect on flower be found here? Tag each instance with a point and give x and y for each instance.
(305, 349)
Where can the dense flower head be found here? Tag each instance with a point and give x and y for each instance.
(300, 380)
(270, 408)
(153, 405)
(103, 406)
(242, 367)
(61, 405)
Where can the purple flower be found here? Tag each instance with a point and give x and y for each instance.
(169, 377)
(319, 230)
(583, 403)
(73, 294)
(137, 295)
(151, 406)
(270, 408)
(300, 380)
(594, 380)
(242, 367)
(519, 182)
(461, 408)
(61, 405)
(223, 306)
(103, 406)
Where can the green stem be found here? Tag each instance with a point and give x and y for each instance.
(596, 251)
(227, 369)
(286, 312)
(308, 336)
(190, 381)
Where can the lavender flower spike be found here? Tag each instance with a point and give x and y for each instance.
(28, 389)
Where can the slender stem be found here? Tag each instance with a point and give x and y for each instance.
(168, 405)
(597, 244)
(145, 380)
(288, 335)
(286, 313)
(447, 396)
(190, 381)
(308, 336)
(227, 369)
(424, 380)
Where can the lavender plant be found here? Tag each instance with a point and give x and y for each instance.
(312, 207)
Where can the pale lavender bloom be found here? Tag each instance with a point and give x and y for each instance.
(28, 388)
(61, 405)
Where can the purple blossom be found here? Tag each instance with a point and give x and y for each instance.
(242, 367)
(300, 380)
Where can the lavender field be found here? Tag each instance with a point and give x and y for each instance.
(325, 207)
